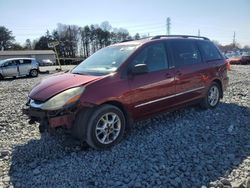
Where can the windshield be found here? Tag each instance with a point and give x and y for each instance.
(246, 54)
(105, 61)
(2, 62)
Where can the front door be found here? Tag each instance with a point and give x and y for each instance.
(149, 92)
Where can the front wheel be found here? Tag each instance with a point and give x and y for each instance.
(212, 98)
(106, 127)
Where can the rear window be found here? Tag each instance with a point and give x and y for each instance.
(209, 51)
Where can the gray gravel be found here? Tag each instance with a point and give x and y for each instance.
(185, 148)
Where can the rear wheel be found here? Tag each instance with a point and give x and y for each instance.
(1, 77)
(33, 73)
(212, 98)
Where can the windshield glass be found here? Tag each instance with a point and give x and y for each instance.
(105, 61)
(246, 54)
(2, 62)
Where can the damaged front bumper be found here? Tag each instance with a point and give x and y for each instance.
(58, 118)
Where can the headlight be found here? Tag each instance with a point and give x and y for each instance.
(67, 97)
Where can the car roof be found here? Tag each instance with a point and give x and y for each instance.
(17, 58)
(160, 37)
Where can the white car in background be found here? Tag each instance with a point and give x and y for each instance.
(46, 62)
(17, 67)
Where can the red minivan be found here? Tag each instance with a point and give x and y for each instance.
(102, 96)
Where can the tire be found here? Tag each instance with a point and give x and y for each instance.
(80, 124)
(34, 73)
(105, 127)
(1, 77)
(212, 98)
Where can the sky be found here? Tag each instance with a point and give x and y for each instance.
(216, 19)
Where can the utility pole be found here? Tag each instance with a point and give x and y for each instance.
(234, 40)
(168, 25)
(199, 33)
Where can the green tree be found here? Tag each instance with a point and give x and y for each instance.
(42, 43)
(28, 44)
(137, 36)
(15, 46)
(6, 38)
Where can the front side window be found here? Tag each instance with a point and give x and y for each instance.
(105, 61)
(210, 52)
(15, 62)
(185, 52)
(153, 56)
(12, 63)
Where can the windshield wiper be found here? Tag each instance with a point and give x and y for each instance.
(80, 73)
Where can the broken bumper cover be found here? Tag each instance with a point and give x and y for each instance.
(59, 118)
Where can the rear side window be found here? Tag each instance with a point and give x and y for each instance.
(16, 62)
(26, 61)
(185, 53)
(209, 50)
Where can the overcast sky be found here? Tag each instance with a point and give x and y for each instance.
(216, 19)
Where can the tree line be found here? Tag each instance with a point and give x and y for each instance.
(73, 40)
(76, 41)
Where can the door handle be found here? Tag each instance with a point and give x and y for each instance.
(167, 75)
(204, 77)
(178, 73)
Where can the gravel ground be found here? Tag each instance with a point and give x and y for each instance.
(185, 148)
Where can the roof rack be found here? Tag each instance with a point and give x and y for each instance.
(182, 36)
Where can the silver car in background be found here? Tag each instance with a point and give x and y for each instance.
(17, 67)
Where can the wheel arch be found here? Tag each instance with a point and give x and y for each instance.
(218, 81)
(127, 115)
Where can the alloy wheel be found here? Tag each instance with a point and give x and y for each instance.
(108, 128)
(213, 95)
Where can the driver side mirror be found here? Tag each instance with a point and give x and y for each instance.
(139, 69)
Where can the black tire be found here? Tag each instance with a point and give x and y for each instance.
(111, 131)
(1, 77)
(33, 73)
(207, 102)
(81, 123)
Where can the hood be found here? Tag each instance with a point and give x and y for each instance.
(58, 83)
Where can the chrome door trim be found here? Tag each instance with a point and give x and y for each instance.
(168, 97)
